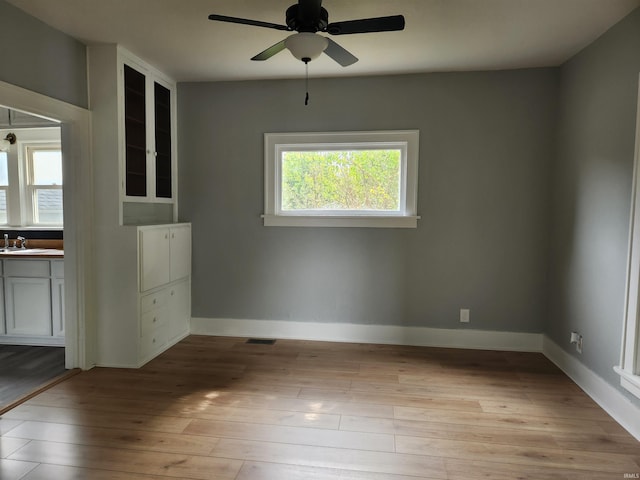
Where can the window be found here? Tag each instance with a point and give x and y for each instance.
(344, 179)
(31, 180)
(4, 186)
(44, 189)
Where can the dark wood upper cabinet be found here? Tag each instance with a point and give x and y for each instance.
(162, 109)
(148, 137)
(135, 132)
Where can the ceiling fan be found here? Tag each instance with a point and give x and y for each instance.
(308, 17)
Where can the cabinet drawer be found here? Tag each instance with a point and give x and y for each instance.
(152, 321)
(153, 301)
(26, 268)
(152, 343)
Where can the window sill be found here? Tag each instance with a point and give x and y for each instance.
(340, 221)
(629, 381)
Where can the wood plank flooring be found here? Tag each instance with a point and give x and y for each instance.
(218, 408)
(25, 369)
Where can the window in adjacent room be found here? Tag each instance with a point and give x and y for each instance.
(4, 185)
(342, 179)
(44, 188)
(31, 180)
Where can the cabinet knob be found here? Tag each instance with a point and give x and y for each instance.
(154, 319)
(171, 292)
(154, 301)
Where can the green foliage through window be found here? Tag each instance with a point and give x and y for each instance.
(341, 180)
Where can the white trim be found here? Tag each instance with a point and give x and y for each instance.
(78, 204)
(34, 341)
(604, 394)
(405, 140)
(357, 333)
(340, 221)
(629, 367)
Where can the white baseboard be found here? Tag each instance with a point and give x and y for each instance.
(623, 410)
(356, 333)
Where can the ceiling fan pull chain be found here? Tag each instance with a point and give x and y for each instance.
(306, 82)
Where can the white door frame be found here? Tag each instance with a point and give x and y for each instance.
(629, 368)
(78, 205)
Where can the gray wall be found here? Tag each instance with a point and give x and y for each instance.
(486, 143)
(39, 58)
(592, 195)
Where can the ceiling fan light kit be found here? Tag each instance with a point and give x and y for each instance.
(306, 46)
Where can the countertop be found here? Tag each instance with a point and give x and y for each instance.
(32, 253)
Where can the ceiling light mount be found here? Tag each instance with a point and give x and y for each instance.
(7, 141)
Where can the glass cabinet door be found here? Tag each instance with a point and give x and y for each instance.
(162, 109)
(135, 133)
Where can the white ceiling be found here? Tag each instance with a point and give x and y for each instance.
(440, 35)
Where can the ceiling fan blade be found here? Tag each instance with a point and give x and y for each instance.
(339, 54)
(270, 52)
(367, 25)
(244, 21)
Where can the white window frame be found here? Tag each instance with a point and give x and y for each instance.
(629, 368)
(19, 206)
(29, 210)
(6, 189)
(407, 141)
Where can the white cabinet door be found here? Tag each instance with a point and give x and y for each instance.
(28, 306)
(154, 258)
(180, 252)
(179, 309)
(57, 306)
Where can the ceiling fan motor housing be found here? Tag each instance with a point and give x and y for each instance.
(296, 20)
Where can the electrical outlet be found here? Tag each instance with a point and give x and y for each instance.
(464, 315)
(577, 339)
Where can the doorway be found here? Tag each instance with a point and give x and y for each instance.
(32, 343)
(77, 204)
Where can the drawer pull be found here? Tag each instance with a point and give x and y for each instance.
(154, 301)
(154, 319)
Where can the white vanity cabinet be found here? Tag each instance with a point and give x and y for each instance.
(33, 301)
(147, 308)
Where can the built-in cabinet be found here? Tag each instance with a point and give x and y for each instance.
(152, 313)
(143, 295)
(134, 128)
(165, 286)
(148, 166)
(32, 302)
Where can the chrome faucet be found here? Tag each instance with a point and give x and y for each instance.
(23, 242)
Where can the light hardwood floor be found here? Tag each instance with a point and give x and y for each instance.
(218, 408)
